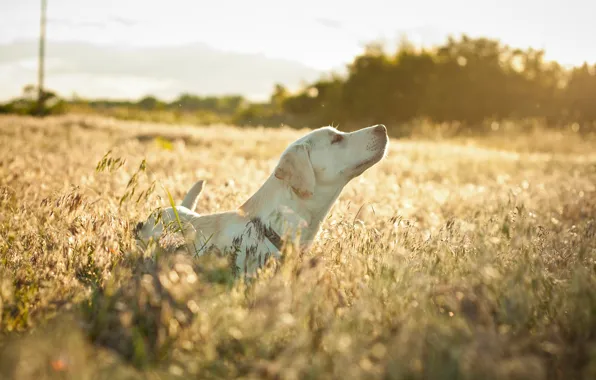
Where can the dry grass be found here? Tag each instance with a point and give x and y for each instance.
(445, 261)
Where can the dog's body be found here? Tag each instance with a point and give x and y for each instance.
(292, 203)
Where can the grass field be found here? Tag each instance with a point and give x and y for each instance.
(450, 259)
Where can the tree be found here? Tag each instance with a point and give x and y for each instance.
(149, 103)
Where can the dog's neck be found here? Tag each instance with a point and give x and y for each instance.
(283, 210)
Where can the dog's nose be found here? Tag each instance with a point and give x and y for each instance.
(138, 226)
(380, 129)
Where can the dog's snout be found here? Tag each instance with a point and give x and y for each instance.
(380, 129)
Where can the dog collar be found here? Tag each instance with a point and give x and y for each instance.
(265, 231)
(274, 238)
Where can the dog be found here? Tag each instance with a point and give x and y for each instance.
(289, 207)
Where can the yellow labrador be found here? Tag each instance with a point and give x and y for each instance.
(292, 203)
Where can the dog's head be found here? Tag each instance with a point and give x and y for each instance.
(328, 157)
(164, 218)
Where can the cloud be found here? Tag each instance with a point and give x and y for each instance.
(329, 23)
(76, 23)
(195, 68)
(123, 21)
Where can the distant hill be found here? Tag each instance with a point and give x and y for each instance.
(108, 71)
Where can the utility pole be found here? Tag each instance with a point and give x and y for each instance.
(40, 74)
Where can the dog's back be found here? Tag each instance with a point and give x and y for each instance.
(244, 240)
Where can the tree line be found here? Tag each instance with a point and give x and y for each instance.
(465, 80)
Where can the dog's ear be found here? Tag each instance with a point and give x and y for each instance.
(296, 170)
(192, 197)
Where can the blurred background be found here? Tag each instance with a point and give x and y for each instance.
(303, 63)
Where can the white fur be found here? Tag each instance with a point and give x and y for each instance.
(293, 201)
(154, 225)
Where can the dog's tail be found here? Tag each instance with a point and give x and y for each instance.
(192, 197)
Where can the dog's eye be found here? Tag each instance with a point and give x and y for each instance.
(336, 139)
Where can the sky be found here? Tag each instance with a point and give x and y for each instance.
(320, 34)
